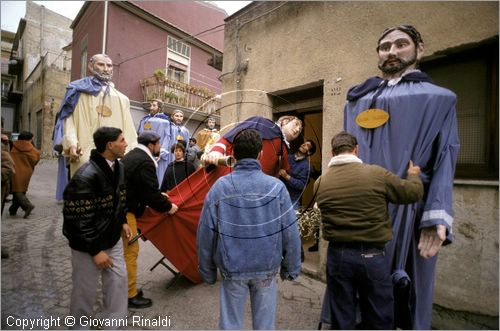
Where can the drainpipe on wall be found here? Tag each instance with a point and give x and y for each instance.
(105, 27)
(39, 135)
(42, 9)
(239, 95)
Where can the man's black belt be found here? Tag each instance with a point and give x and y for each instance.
(358, 245)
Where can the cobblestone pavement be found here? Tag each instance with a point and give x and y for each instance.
(36, 278)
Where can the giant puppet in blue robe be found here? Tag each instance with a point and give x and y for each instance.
(422, 127)
(177, 133)
(89, 85)
(160, 124)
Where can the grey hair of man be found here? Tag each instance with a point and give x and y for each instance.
(93, 58)
(105, 77)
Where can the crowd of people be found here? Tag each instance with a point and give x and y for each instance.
(385, 203)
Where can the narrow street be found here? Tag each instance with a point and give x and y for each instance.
(36, 278)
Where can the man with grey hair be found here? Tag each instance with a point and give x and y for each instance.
(377, 111)
(90, 103)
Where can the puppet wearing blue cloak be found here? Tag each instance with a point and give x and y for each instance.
(160, 124)
(89, 85)
(422, 127)
(177, 133)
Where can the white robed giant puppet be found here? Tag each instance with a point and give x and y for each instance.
(88, 104)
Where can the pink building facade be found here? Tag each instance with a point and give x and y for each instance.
(147, 36)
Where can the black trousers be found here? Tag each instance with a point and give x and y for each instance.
(19, 199)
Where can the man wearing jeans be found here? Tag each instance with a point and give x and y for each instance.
(248, 231)
(353, 198)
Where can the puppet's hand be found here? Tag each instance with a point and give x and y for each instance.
(163, 153)
(211, 158)
(431, 240)
(413, 169)
(74, 153)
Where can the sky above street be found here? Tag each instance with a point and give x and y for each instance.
(13, 11)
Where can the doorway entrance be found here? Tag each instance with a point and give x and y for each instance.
(305, 102)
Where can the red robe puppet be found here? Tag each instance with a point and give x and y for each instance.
(175, 235)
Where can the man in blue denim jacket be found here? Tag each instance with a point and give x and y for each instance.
(248, 231)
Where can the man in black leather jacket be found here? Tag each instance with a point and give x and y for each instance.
(94, 219)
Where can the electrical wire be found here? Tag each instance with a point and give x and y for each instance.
(205, 32)
(240, 25)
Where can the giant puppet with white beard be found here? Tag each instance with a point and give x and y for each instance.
(90, 103)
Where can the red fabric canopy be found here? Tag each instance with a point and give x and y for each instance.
(175, 235)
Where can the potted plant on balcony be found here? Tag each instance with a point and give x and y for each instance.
(171, 97)
(203, 91)
(159, 74)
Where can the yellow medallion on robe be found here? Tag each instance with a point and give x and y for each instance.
(372, 118)
(104, 110)
(179, 137)
(147, 126)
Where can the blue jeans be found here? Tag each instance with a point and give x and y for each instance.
(233, 297)
(358, 270)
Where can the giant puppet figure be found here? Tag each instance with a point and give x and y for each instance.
(275, 141)
(208, 136)
(159, 123)
(420, 125)
(90, 103)
(178, 132)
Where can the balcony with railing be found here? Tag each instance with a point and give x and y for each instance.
(179, 94)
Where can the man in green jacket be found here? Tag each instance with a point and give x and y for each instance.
(353, 198)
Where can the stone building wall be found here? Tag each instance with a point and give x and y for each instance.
(279, 46)
(45, 78)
